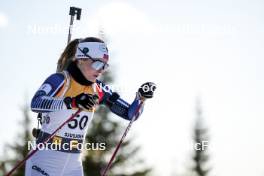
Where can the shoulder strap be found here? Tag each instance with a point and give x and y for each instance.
(67, 83)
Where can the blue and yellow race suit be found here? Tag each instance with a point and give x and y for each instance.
(49, 101)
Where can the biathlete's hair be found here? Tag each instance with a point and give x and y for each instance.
(67, 56)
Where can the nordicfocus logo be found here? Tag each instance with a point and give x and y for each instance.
(148, 88)
(32, 145)
(122, 88)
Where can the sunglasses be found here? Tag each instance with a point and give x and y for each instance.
(97, 64)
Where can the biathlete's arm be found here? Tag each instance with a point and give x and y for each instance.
(116, 104)
(44, 99)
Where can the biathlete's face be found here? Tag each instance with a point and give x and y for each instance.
(92, 68)
(92, 58)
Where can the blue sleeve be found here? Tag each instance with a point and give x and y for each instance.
(44, 99)
(116, 104)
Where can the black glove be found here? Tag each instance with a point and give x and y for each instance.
(147, 89)
(82, 101)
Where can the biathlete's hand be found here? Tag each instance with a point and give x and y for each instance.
(82, 101)
(147, 89)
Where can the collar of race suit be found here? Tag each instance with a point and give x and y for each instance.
(77, 75)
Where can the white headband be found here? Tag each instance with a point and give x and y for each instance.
(91, 49)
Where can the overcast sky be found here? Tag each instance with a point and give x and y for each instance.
(207, 49)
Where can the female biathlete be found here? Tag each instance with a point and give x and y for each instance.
(74, 86)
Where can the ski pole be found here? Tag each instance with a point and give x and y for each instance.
(73, 11)
(122, 139)
(19, 164)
